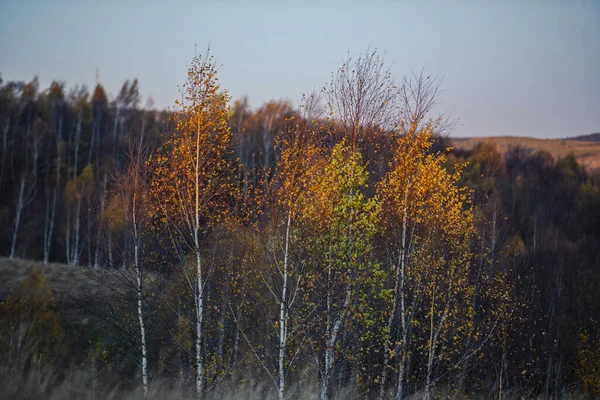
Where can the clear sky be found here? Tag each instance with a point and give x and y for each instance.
(527, 68)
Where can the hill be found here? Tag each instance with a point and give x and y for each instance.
(68, 284)
(587, 153)
(592, 137)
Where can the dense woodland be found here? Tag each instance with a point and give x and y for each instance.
(337, 249)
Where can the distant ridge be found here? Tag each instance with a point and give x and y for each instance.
(585, 148)
(592, 137)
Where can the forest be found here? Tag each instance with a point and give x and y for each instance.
(338, 248)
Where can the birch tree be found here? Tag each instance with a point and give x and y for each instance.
(343, 223)
(297, 165)
(132, 191)
(430, 227)
(25, 195)
(192, 178)
(57, 102)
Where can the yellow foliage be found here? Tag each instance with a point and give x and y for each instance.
(191, 183)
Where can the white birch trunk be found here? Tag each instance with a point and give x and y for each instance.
(142, 328)
(330, 347)
(199, 310)
(17, 220)
(76, 156)
(138, 275)
(283, 311)
(51, 214)
(199, 280)
(398, 292)
(68, 238)
(4, 150)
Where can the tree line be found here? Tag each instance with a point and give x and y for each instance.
(340, 248)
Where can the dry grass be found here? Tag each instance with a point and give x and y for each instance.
(586, 153)
(68, 283)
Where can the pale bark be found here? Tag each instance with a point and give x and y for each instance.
(283, 311)
(51, 211)
(142, 329)
(397, 297)
(22, 200)
(138, 275)
(432, 345)
(75, 247)
(4, 150)
(199, 310)
(109, 244)
(199, 281)
(331, 341)
(76, 156)
(68, 238)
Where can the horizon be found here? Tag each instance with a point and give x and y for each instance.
(536, 64)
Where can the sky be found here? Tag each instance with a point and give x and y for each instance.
(521, 68)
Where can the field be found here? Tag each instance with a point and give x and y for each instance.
(587, 153)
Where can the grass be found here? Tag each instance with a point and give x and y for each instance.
(68, 283)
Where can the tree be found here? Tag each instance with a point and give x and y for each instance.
(343, 222)
(25, 195)
(192, 177)
(428, 227)
(131, 187)
(57, 102)
(297, 166)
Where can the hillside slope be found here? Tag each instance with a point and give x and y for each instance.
(69, 284)
(587, 153)
(592, 137)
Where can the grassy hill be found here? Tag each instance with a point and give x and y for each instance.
(68, 283)
(592, 137)
(587, 153)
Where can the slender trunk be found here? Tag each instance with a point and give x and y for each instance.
(404, 323)
(222, 314)
(17, 221)
(117, 112)
(430, 349)
(433, 341)
(125, 251)
(387, 339)
(99, 227)
(398, 290)
(236, 338)
(199, 309)
(91, 149)
(142, 330)
(75, 249)
(49, 225)
(138, 274)
(68, 238)
(324, 381)
(76, 156)
(199, 281)
(89, 232)
(501, 380)
(35, 148)
(330, 347)
(109, 250)
(4, 150)
(52, 213)
(283, 310)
